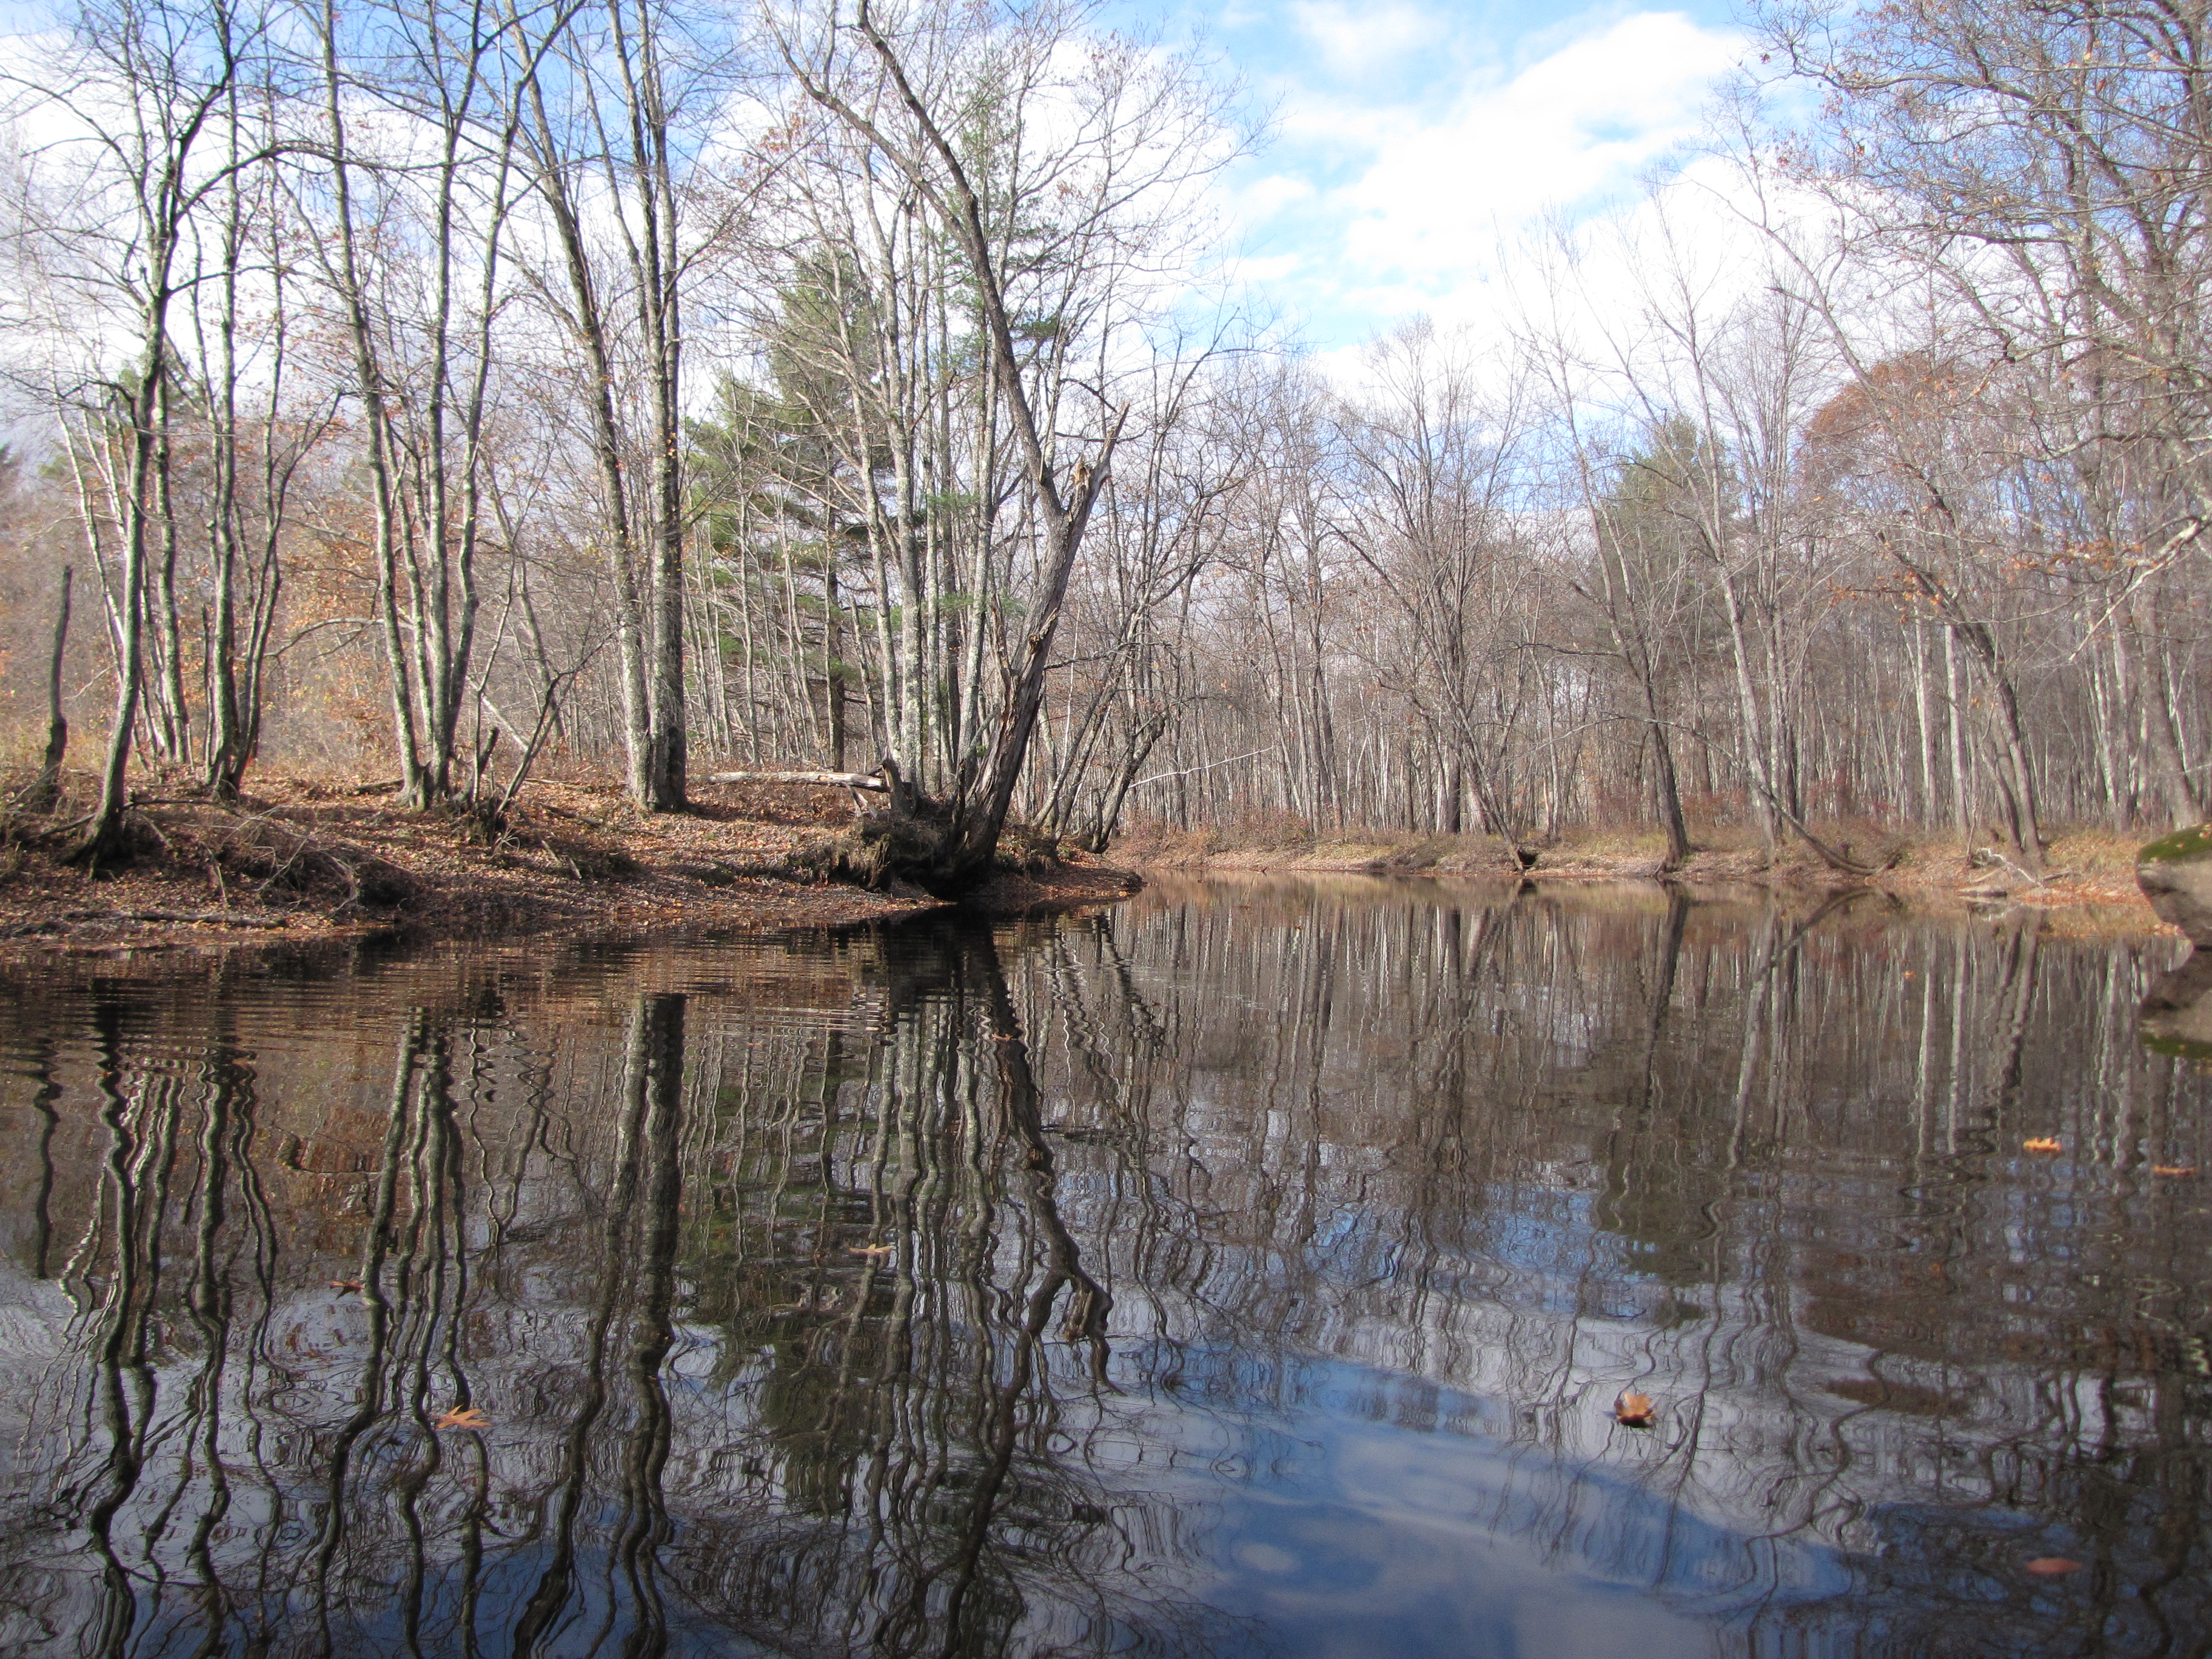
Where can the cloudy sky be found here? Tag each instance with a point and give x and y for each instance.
(1411, 136)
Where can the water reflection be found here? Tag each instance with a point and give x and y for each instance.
(1247, 1270)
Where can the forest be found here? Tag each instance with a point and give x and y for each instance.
(455, 392)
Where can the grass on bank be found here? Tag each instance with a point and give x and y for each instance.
(2090, 856)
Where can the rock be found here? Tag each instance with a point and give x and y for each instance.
(2177, 1016)
(2175, 874)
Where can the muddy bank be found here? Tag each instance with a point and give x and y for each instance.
(302, 861)
(2089, 871)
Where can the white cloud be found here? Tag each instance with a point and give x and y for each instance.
(1258, 272)
(1355, 42)
(1577, 124)
(1411, 190)
(1264, 198)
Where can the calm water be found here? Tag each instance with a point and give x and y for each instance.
(1250, 1270)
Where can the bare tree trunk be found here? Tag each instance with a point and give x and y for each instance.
(587, 320)
(1924, 725)
(47, 788)
(656, 264)
(415, 784)
(1754, 746)
(1962, 800)
(173, 713)
(103, 839)
(1670, 795)
(2184, 801)
(1062, 503)
(2017, 776)
(228, 746)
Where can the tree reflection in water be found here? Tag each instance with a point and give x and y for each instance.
(1247, 1270)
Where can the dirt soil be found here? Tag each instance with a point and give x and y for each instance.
(2089, 871)
(302, 860)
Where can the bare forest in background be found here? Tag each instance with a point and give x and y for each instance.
(425, 392)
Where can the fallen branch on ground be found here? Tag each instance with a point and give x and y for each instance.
(820, 780)
(1987, 857)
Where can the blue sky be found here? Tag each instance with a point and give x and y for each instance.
(1410, 137)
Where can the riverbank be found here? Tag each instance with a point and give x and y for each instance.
(2086, 868)
(303, 860)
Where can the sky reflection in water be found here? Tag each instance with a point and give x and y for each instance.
(1250, 1270)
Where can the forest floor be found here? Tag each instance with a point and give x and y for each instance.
(2085, 868)
(301, 861)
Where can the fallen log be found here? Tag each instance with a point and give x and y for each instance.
(68, 921)
(818, 780)
(219, 918)
(1991, 858)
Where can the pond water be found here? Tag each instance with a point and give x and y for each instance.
(1250, 1269)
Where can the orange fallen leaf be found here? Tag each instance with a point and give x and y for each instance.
(345, 1284)
(2053, 1566)
(1634, 1409)
(2040, 1144)
(869, 1249)
(461, 1417)
(2173, 1168)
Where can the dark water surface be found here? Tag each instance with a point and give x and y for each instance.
(1250, 1270)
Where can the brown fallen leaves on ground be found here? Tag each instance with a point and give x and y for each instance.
(312, 859)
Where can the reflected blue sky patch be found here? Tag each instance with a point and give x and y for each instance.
(1337, 1527)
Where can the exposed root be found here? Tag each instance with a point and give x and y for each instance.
(891, 851)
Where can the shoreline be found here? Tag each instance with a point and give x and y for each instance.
(305, 862)
(301, 862)
(1931, 879)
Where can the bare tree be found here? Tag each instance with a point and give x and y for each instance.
(1435, 468)
(1045, 239)
(152, 107)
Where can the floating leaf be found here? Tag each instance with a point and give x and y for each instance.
(2173, 1168)
(345, 1284)
(2041, 1144)
(869, 1249)
(2053, 1566)
(461, 1417)
(1634, 1409)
